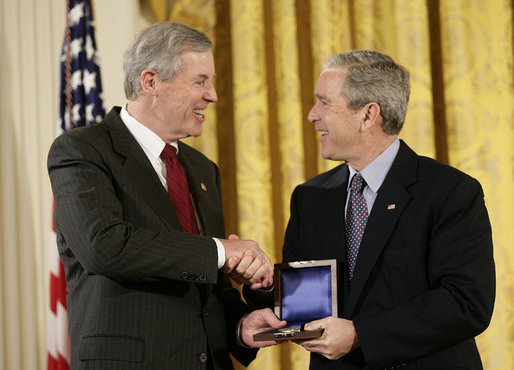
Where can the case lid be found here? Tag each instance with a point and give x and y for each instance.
(305, 291)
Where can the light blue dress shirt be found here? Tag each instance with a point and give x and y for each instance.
(374, 174)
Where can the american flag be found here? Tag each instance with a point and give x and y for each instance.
(80, 104)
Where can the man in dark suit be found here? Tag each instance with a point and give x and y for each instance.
(143, 292)
(419, 284)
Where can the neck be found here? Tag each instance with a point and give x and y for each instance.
(136, 110)
(371, 150)
(139, 109)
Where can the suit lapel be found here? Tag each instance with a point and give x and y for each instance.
(337, 197)
(392, 198)
(196, 184)
(200, 193)
(205, 188)
(139, 170)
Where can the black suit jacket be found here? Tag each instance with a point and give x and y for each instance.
(424, 281)
(142, 294)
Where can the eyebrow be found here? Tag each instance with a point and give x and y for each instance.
(321, 97)
(205, 77)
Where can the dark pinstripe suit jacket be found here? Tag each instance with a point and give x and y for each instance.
(142, 294)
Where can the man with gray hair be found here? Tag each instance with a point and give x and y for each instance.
(412, 236)
(140, 226)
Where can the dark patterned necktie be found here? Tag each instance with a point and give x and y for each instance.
(178, 190)
(356, 218)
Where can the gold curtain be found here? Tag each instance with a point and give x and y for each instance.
(268, 55)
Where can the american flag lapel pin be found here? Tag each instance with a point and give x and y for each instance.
(391, 206)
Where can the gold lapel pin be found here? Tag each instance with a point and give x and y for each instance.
(203, 187)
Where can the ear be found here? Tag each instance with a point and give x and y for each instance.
(149, 78)
(370, 115)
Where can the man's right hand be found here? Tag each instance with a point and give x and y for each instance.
(247, 263)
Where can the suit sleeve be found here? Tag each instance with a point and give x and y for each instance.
(290, 250)
(235, 310)
(264, 298)
(458, 302)
(93, 222)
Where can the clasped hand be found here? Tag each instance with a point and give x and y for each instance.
(247, 263)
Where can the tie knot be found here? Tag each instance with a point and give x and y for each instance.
(358, 183)
(169, 151)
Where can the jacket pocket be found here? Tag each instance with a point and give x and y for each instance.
(112, 347)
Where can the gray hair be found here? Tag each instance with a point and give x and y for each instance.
(159, 47)
(372, 76)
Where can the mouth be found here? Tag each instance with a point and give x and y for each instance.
(199, 113)
(323, 132)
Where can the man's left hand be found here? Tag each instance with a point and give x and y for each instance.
(338, 339)
(256, 322)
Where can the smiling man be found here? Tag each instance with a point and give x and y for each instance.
(412, 235)
(140, 225)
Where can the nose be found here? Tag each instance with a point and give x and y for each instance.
(210, 94)
(313, 115)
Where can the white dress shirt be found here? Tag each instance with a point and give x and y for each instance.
(153, 146)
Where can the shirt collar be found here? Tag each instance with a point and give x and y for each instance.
(375, 172)
(148, 139)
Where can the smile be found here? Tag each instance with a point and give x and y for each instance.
(199, 112)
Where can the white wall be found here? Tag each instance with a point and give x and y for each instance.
(117, 21)
(31, 34)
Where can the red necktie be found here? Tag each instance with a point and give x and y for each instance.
(178, 190)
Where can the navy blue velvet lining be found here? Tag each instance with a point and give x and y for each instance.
(306, 294)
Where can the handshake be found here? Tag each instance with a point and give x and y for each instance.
(246, 263)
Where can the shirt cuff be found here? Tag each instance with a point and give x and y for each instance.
(221, 253)
(239, 340)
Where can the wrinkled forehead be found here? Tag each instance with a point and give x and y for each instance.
(330, 82)
(197, 63)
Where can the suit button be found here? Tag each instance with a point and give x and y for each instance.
(184, 275)
(202, 277)
(202, 357)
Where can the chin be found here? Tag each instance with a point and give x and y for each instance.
(196, 133)
(197, 130)
(330, 156)
(325, 155)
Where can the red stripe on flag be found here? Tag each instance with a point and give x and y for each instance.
(58, 289)
(57, 364)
